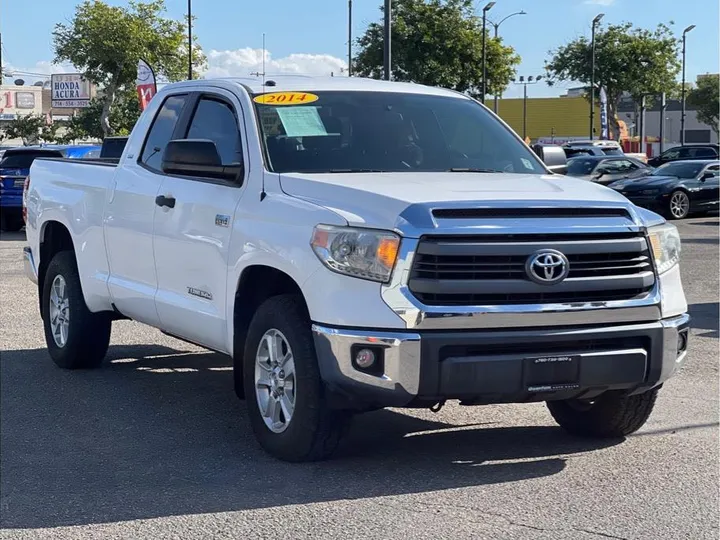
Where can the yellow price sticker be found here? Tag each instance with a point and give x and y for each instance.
(285, 98)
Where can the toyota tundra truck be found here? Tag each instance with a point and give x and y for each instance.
(355, 244)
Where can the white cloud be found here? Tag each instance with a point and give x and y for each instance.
(242, 62)
(600, 2)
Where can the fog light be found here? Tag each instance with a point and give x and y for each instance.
(682, 341)
(364, 358)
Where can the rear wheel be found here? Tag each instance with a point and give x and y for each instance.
(678, 205)
(610, 415)
(76, 338)
(285, 396)
(11, 221)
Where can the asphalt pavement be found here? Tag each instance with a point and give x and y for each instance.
(155, 445)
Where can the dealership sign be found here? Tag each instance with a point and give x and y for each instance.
(69, 91)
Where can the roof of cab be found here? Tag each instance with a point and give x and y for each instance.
(309, 84)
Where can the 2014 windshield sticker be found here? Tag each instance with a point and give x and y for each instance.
(286, 98)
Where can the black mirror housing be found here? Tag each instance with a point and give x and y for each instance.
(197, 157)
(553, 156)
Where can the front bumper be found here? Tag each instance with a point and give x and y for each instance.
(422, 368)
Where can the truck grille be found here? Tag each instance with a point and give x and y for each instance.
(490, 269)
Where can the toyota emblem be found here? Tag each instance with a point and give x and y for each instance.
(547, 267)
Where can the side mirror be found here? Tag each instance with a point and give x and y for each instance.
(707, 175)
(553, 156)
(599, 173)
(197, 157)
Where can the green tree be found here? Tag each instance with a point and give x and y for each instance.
(31, 129)
(705, 99)
(627, 59)
(438, 43)
(106, 42)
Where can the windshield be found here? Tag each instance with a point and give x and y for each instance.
(23, 160)
(679, 170)
(580, 166)
(381, 131)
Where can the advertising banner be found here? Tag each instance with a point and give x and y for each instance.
(145, 82)
(604, 133)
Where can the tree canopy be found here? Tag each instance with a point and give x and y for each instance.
(705, 99)
(31, 128)
(105, 42)
(438, 43)
(627, 59)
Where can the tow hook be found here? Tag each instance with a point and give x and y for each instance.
(439, 405)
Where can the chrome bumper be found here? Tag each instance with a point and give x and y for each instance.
(410, 358)
(29, 263)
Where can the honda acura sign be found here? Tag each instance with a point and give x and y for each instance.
(69, 91)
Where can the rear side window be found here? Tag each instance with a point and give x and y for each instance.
(23, 160)
(161, 132)
(705, 153)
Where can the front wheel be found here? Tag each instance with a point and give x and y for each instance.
(678, 205)
(610, 415)
(284, 393)
(76, 338)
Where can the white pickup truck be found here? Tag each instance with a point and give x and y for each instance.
(357, 244)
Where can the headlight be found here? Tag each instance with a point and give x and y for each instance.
(364, 253)
(665, 241)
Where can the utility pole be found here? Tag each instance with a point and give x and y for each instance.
(1, 71)
(190, 75)
(387, 45)
(682, 113)
(349, 38)
(497, 26)
(663, 106)
(595, 22)
(530, 80)
(641, 138)
(484, 59)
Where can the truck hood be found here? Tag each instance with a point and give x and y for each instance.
(377, 199)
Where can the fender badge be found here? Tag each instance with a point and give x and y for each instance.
(222, 220)
(202, 294)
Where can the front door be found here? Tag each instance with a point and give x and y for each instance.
(129, 217)
(192, 239)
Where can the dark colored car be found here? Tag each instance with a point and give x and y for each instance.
(676, 189)
(592, 148)
(14, 168)
(113, 147)
(606, 169)
(685, 153)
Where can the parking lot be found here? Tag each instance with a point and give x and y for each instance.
(155, 445)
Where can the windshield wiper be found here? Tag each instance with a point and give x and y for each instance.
(472, 170)
(354, 170)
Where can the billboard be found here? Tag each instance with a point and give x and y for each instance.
(69, 91)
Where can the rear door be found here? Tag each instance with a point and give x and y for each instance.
(710, 187)
(192, 239)
(129, 217)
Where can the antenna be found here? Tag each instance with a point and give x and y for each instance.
(262, 193)
(263, 60)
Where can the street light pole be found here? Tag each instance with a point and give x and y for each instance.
(349, 38)
(497, 26)
(387, 52)
(525, 83)
(682, 90)
(595, 22)
(190, 74)
(487, 8)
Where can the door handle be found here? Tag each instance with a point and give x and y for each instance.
(162, 200)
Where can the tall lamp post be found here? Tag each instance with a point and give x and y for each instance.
(530, 80)
(349, 38)
(682, 90)
(496, 26)
(387, 50)
(487, 8)
(190, 40)
(595, 22)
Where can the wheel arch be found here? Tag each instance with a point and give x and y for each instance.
(54, 237)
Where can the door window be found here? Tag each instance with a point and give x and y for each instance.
(161, 132)
(215, 120)
(705, 153)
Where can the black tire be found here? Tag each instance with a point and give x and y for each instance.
(314, 431)
(671, 212)
(88, 334)
(11, 221)
(611, 415)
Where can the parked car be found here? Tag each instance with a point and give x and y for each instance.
(112, 147)
(592, 148)
(14, 167)
(356, 244)
(676, 189)
(685, 153)
(84, 151)
(606, 169)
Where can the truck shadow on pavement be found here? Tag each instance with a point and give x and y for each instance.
(706, 317)
(159, 432)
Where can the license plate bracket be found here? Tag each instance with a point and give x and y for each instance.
(550, 373)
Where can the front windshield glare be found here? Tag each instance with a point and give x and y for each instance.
(381, 131)
(679, 170)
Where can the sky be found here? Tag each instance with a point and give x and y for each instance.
(310, 36)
